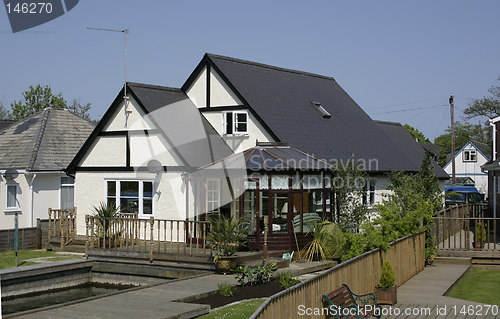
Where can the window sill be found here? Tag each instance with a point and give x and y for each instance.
(12, 211)
(237, 135)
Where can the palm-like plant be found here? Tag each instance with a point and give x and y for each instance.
(104, 212)
(224, 236)
(327, 242)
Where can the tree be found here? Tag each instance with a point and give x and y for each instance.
(350, 189)
(488, 106)
(4, 114)
(416, 134)
(38, 98)
(464, 132)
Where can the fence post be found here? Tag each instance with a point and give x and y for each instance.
(73, 234)
(61, 231)
(50, 225)
(152, 222)
(87, 236)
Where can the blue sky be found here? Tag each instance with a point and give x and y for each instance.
(390, 56)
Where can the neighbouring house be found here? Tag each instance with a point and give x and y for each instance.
(238, 139)
(492, 168)
(34, 153)
(468, 162)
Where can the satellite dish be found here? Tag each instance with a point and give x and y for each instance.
(11, 174)
(154, 166)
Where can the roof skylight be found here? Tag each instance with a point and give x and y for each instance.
(322, 110)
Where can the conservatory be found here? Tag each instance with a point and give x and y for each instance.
(270, 184)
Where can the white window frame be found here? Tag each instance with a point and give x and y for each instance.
(13, 208)
(370, 189)
(235, 132)
(141, 194)
(471, 153)
(217, 194)
(65, 185)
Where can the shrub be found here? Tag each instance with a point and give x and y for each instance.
(480, 233)
(252, 276)
(225, 289)
(286, 279)
(388, 276)
(224, 236)
(328, 242)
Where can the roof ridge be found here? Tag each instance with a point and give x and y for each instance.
(268, 66)
(388, 123)
(153, 86)
(39, 138)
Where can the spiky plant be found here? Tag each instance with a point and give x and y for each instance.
(104, 212)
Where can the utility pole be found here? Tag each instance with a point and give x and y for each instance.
(453, 177)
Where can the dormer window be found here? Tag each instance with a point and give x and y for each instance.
(469, 156)
(321, 109)
(235, 123)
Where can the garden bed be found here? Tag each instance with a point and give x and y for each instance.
(248, 292)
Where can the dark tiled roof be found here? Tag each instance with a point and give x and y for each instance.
(484, 148)
(186, 128)
(432, 148)
(283, 100)
(274, 157)
(47, 140)
(407, 145)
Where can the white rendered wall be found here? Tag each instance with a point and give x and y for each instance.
(240, 143)
(46, 194)
(168, 202)
(197, 92)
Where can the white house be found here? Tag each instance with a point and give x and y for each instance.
(468, 162)
(34, 153)
(238, 138)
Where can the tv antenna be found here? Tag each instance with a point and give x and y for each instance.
(125, 32)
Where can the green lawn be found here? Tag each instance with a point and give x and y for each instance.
(242, 310)
(8, 258)
(479, 285)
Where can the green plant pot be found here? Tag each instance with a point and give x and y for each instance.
(226, 264)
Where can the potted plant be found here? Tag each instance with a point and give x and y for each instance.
(104, 213)
(224, 237)
(480, 237)
(386, 291)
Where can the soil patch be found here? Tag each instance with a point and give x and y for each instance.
(241, 293)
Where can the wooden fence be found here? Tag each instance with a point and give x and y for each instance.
(361, 273)
(62, 225)
(457, 228)
(128, 232)
(28, 238)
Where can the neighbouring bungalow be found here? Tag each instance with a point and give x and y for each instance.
(34, 153)
(238, 139)
(468, 162)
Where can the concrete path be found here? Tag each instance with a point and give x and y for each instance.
(423, 295)
(150, 302)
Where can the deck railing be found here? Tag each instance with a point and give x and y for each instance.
(62, 225)
(129, 232)
(456, 228)
(360, 273)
